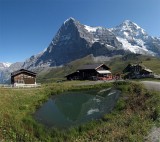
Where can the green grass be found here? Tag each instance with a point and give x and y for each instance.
(135, 113)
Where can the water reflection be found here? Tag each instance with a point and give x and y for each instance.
(74, 108)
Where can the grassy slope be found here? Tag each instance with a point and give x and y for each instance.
(116, 64)
(60, 72)
(132, 118)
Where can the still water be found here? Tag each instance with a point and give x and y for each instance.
(75, 108)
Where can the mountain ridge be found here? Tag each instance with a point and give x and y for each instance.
(75, 40)
(133, 37)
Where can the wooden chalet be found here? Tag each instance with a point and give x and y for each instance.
(91, 72)
(137, 71)
(23, 76)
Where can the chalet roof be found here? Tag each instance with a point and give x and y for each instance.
(130, 66)
(138, 65)
(73, 73)
(90, 66)
(23, 71)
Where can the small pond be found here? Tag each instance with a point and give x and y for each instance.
(75, 108)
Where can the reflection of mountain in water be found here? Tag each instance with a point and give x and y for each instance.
(70, 104)
(75, 108)
(99, 104)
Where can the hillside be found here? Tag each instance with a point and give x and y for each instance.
(117, 64)
(60, 72)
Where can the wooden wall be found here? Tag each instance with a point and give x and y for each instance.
(23, 78)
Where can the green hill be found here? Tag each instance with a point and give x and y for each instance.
(117, 64)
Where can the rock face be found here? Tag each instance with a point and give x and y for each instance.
(75, 40)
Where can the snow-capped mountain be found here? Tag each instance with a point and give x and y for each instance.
(3, 70)
(6, 69)
(75, 40)
(135, 39)
(4, 65)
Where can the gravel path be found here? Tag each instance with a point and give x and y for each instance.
(154, 135)
(152, 85)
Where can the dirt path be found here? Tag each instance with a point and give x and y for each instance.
(154, 135)
(152, 85)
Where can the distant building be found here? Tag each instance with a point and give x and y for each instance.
(137, 71)
(91, 72)
(22, 77)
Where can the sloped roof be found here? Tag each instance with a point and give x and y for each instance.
(90, 66)
(129, 66)
(73, 73)
(23, 71)
(140, 64)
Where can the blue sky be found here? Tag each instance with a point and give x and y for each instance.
(28, 26)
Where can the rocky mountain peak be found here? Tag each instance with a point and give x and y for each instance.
(129, 23)
(70, 22)
(135, 39)
(71, 19)
(129, 29)
(5, 65)
(75, 40)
